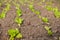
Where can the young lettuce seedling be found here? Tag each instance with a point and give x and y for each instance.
(19, 21)
(19, 12)
(48, 30)
(49, 8)
(56, 12)
(7, 7)
(37, 12)
(44, 19)
(31, 8)
(3, 14)
(14, 33)
(55, 9)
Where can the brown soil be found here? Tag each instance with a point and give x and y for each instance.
(32, 27)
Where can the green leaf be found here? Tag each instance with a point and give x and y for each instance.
(11, 38)
(31, 8)
(50, 32)
(19, 35)
(19, 12)
(49, 8)
(2, 15)
(19, 20)
(44, 19)
(14, 33)
(7, 7)
(37, 12)
(55, 9)
(47, 28)
(57, 14)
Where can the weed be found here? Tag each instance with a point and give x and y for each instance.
(14, 33)
(48, 30)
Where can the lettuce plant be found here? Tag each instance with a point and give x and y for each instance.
(48, 30)
(49, 8)
(44, 19)
(31, 7)
(19, 12)
(4, 11)
(56, 12)
(2, 15)
(19, 21)
(37, 12)
(14, 33)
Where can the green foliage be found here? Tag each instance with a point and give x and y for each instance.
(14, 33)
(33, 10)
(37, 12)
(48, 30)
(31, 7)
(19, 35)
(19, 21)
(7, 7)
(2, 15)
(49, 8)
(19, 12)
(55, 9)
(44, 19)
(56, 12)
